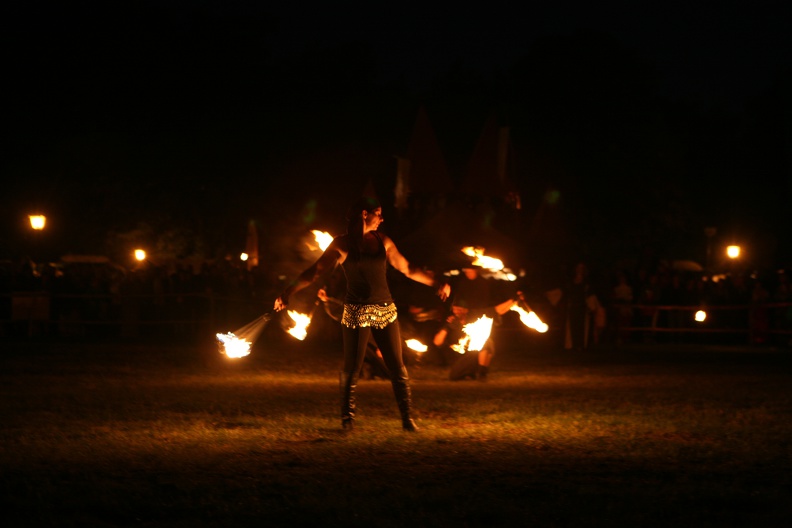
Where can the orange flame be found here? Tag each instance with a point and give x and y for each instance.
(322, 238)
(300, 329)
(416, 345)
(530, 319)
(477, 334)
(233, 346)
(494, 266)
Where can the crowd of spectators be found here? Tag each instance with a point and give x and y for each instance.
(179, 301)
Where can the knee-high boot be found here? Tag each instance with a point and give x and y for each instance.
(348, 384)
(401, 389)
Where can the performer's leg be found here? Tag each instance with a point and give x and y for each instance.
(354, 340)
(389, 341)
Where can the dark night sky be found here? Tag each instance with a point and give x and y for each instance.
(153, 111)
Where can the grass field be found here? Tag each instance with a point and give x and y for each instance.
(108, 435)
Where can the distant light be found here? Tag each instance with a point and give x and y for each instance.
(37, 222)
(140, 255)
(733, 252)
(243, 257)
(701, 315)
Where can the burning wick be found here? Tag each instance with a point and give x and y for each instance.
(414, 344)
(237, 344)
(233, 346)
(480, 259)
(530, 319)
(322, 238)
(477, 334)
(300, 329)
(492, 266)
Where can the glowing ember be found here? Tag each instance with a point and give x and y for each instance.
(322, 238)
(233, 346)
(477, 334)
(530, 319)
(300, 329)
(416, 345)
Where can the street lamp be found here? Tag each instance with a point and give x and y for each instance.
(37, 221)
(733, 252)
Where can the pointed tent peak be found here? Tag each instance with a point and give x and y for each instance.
(489, 170)
(369, 191)
(439, 241)
(428, 172)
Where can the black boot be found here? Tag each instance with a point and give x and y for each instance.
(348, 383)
(401, 389)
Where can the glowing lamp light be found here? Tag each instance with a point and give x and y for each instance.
(700, 316)
(243, 257)
(37, 222)
(140, 255)
(733, 252)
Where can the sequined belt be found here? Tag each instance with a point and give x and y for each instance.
(376, 315)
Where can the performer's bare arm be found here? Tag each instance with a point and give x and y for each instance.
(332, 256)
(401, 264)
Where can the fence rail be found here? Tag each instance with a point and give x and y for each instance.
(28, 314)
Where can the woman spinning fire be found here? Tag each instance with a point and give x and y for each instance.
(369, 309)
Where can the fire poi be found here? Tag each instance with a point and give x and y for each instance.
(323, 238)
(491, 266)
(530, 319)
(476, 334)
(301, 322)
(237, 344)
(414, 344)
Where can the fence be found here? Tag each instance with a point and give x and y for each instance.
(184, 316)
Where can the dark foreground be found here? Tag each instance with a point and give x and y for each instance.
(660, 435)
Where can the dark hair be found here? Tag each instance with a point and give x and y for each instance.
(366, 203)
(355, 221)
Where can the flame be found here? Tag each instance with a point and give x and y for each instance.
(480, 259)
(322, 238)
(233, 346)
(493, 267)
(237, 344)
(300, 329)
(530, 319)
(416, 345)
(477, 334)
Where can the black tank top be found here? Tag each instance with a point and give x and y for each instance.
(366, 276)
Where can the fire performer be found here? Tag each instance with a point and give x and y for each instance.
(369, 309)
(471, 299)
(472, 364)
